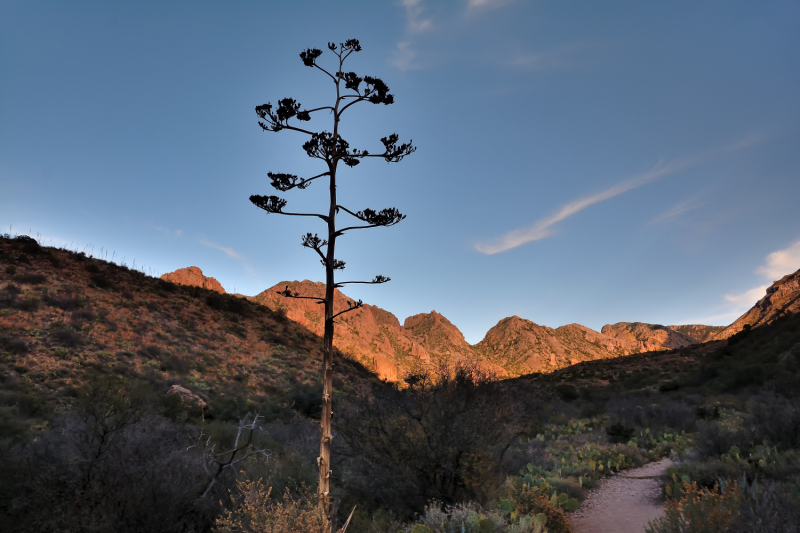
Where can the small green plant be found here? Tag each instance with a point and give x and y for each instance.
(62, 353)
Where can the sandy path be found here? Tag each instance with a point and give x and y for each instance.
(624, 503)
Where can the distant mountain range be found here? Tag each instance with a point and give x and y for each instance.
(513, 347)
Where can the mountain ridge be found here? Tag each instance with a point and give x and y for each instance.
(514, 346)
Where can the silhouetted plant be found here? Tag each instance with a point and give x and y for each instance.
(330, 148)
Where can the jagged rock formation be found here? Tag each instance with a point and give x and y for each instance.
(370, 334)
(782, 297)
(697, 332)
(515, 346)
(193, 277)
(648, 337)
(522, 347)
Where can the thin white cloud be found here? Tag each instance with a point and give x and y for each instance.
(166, 231)
(544, 228)
(230, 252)
(781, 262)
(745, 300)
(415, 23)
(476, 6)
(679, 209)
(776, 265)
(403, 57)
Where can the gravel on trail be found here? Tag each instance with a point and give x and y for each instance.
(623, 503)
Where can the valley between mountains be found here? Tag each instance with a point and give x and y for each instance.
(515, 346)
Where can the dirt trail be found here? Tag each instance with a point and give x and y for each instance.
(624, 503)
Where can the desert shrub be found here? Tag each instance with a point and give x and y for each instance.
(444, 438)
(62, 353)
(776, 419)
(30, 279)
(768, 508)
(700, 510)
(716, 438)
(567, 392)
(101, 281)
(258, 510)
(618, 433)
(656, 413)
(28, 304)
(306, 400)
(228, 302)
(66, 302)
(14, 345)
(66, 336)
(151, 352)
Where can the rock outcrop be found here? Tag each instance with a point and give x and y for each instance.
(648, 337)
(523, 347)
(369, 334)
(698, 332)
(782, 297)
(193, 277)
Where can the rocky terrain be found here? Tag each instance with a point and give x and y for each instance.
(647, 337)
(515, 346)
(64, 315)
(193, 277)
(698, 332)
(782, 297)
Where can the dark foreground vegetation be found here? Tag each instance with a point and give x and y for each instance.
(91, 441)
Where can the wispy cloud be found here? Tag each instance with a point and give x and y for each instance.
(781, 262)
(404, 56)
(544, 227)
(478, 6)
(686, 205)
(230, 252)
(745, 300)
(166, 231)
(415, 22)
(776, 265)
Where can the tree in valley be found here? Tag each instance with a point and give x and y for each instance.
(330, 148)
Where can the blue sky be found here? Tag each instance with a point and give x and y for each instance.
(577, 161)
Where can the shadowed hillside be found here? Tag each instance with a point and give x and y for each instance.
(63, 315)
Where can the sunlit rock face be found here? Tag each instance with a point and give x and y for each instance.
(522, 347)
(648, 337)
(193, 277)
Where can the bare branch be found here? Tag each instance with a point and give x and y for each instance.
(275, 205)
(289, 294)
(376, 281)
(352, 306)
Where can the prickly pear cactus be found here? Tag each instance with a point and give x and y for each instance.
(486, 526)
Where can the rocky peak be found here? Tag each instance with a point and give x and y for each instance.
(437, 334)
(193, 277)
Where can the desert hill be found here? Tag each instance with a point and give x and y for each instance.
(64, 315)
(193, 277)
(522, 347)
(697, 332)
(783, 297)
(513, 347)
(647, 337)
